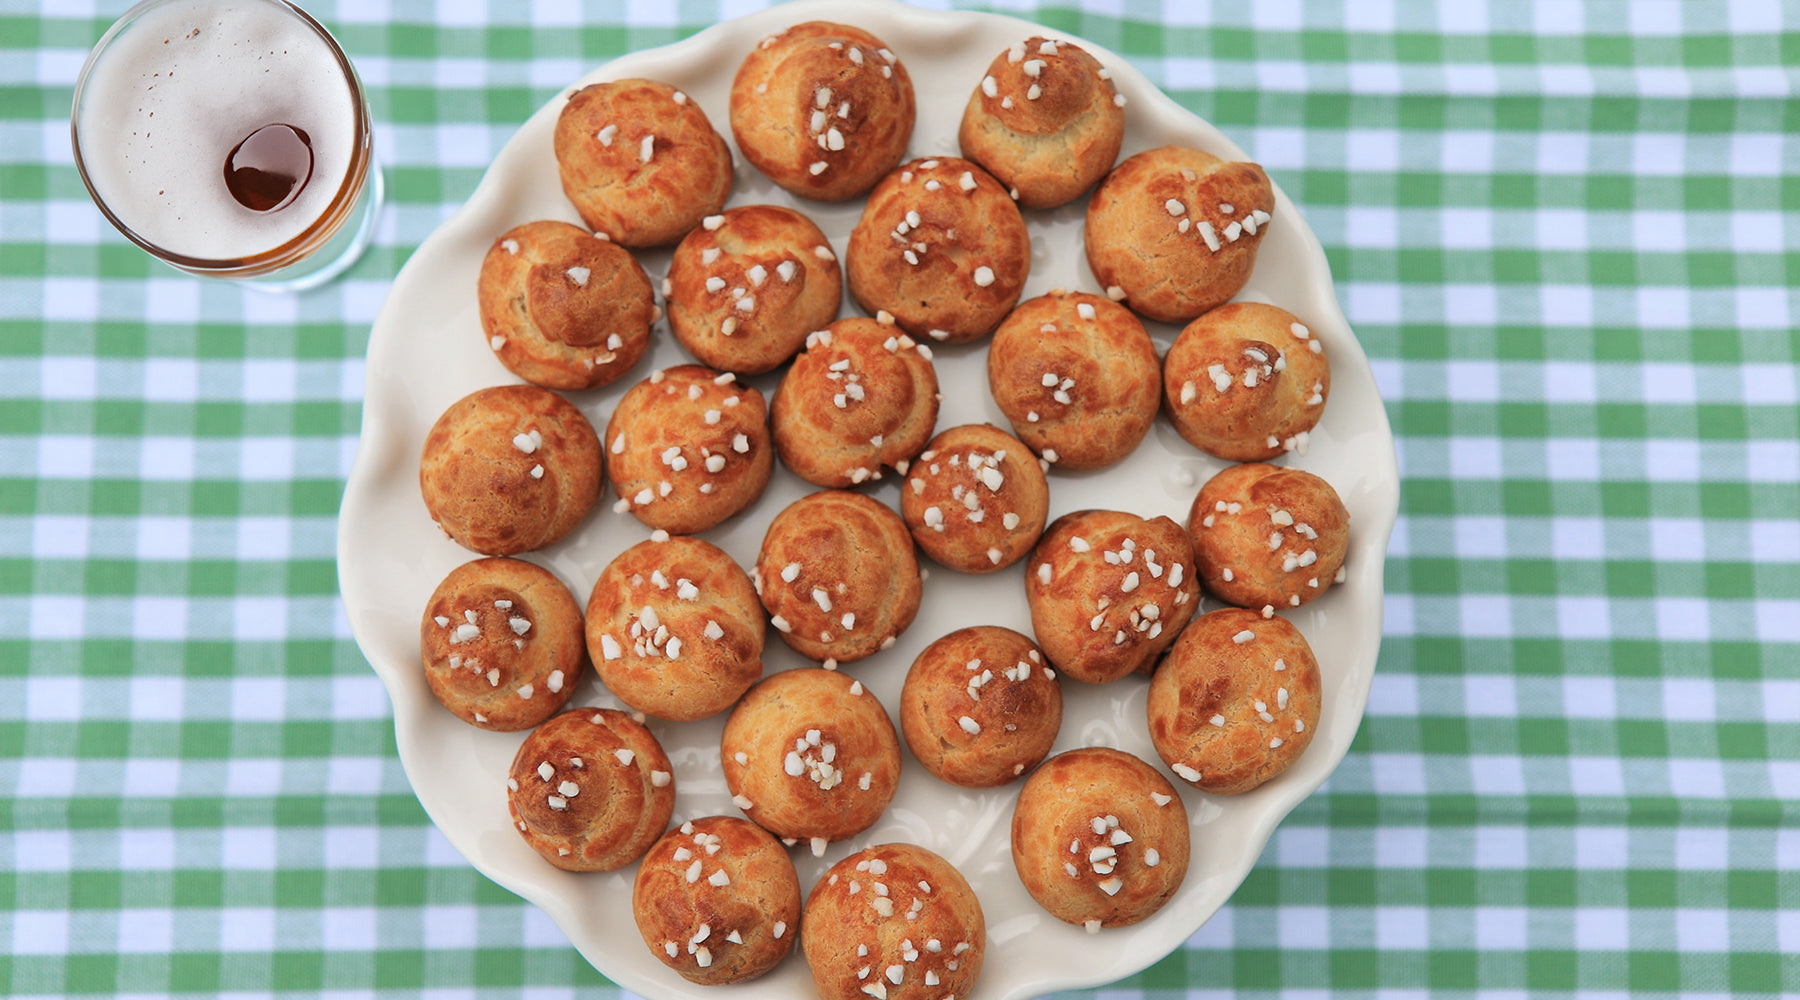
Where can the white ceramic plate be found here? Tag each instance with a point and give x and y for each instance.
(427, 350)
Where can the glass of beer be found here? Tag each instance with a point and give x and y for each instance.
(231, 139)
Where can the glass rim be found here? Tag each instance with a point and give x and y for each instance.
(337, 210)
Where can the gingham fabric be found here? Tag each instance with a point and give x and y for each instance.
(1568, 237)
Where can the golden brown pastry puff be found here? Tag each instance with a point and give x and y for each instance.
(1173, 232)
(509, 469)
(893, 922)
(838, 576)
(861, 397)
(942, 247)
(717, 900)
(1099, 838)
(747, 286)
(674, 628)
(590, 790)
(823, 109)
(1268, 536)
(640, 161)
(1235, 702)
(1077, 376)
(1046, 121)
(502, 644)
(809, 755)
(562, 309)
(976, 500)
(1246, 382)
(688, 448)
(1108, 591)
(980, 707)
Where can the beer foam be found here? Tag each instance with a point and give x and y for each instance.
(175, 91)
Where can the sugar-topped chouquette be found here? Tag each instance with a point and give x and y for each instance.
(674, 628)
(501, 643)
(640, 161)
(1045, 120)
(1173, 232)
(1268, 536)
(1236, 701)
(717, 900)
(590, 790)
(837, 574)
(823, 109)
(562, 308)
(809, 755)
(1099, 838)
(1108, 591)
(1246, 382)
(976, 499)
(980, 706)
(893, 922)
(688, 447)
(942, 247)
(862, 398)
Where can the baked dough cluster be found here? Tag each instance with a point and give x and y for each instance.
(1078, 377)
(862, 397)
(747, 285)
(501, 644)
(976, 499)
(717, 900)
(562, 308)
(837, 575)
(509, 469)
(823, 109)
(674, 628)
(1045, 120)
(1099, 838)
(1173, 231)
(1267, 536)
(1109, 591)
(809, 755)
(640, 161)
(980, 707)
(1246, 382)
(1236, 701)
(590, 790)
(893, 922)
(942, 247)
(688, 448)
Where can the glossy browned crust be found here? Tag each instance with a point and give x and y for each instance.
(620, 806)
(1135, 243)
(1282, 532)
(999, 681)
(669, 663)
(563, 309)
(759, 905)
(526, 654)
(1107, 355)
(955, 273)
(689, 447)
(1057, 809)
(827, 800)
(1276, 384)
(856, 583)
(478, 484)
(748, 285)
(1090, 615)
(976, 499)
(862, 397)
(775, 93)
(1053, 147)
(843, 916)
(1209, 674)
(639, 204)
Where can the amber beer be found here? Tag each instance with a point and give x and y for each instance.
(230, 138)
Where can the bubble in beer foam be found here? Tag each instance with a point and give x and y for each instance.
(177, 90)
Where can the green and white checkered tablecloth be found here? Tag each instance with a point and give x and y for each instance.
(1568, 236)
